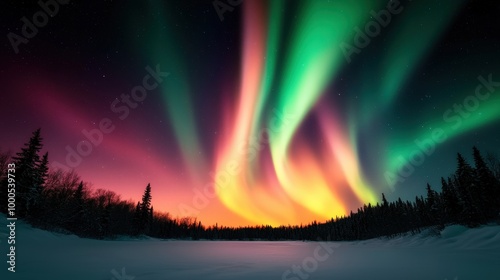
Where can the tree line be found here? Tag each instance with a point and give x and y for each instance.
(61, 201)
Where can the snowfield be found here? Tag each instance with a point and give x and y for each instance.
(458, 253)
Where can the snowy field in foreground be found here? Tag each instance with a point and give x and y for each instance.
(459, 253)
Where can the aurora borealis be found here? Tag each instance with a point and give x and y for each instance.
(262, 119)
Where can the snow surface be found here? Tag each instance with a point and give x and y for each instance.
(458, 253)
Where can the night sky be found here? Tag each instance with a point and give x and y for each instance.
(271, 112)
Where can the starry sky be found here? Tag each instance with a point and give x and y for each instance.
(254, 112)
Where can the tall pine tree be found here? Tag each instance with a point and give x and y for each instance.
(29, 174)
(432, 205)
(468, 192)
(144, 210)
(451, 203)
(488, 185)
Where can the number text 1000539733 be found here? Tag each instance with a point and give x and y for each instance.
(11, 218)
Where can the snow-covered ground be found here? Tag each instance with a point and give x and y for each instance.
(459, 253)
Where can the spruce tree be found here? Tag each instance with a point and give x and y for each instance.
(145, 208)
(488, 185)
(450, 201)
(28, 174)
(468, 192)
(432, 205)
(146, 201)
(384, 201)
(494, 164)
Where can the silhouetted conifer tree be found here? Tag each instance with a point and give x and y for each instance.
(432, 207)
(468, 192)
(488, 186)
(28, 176)
(451, 204)
(144, 210)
